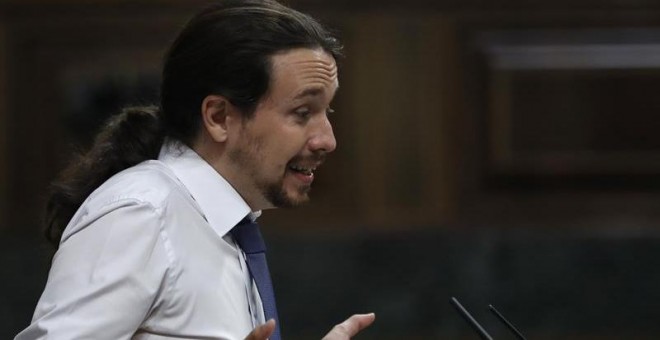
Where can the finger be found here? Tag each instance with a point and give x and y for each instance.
(351, 326)
(262, 332)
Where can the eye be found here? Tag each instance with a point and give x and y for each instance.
(303, 112)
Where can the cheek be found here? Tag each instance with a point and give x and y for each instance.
(281, 154)
(280, 142)
(288, 142)
(279, 157)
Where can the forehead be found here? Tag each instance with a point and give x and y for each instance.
(304, 57)
(302, 69)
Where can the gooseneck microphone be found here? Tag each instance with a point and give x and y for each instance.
(506, 322)
(468, 317)
(478, 328)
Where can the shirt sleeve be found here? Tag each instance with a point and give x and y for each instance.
(105, 277)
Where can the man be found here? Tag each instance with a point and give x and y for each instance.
(151, 223)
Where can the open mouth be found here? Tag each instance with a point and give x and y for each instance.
(307, 171)
(303, 168)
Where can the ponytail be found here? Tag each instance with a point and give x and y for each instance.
(133, 136)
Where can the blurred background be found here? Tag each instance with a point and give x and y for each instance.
(503, 152)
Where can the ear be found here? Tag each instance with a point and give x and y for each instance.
(217, 114)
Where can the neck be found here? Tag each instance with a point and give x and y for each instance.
(215, 155)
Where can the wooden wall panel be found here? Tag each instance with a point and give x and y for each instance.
(401, 89)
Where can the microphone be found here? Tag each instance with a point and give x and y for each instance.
(506, 322)
(478, 328)
(468, 317)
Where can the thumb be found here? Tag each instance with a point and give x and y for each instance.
(350, 327)
(262, 332)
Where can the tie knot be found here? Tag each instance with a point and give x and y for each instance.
(247, 235)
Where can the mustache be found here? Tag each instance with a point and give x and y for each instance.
(316, 158)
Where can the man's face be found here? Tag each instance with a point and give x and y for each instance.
(278, 149)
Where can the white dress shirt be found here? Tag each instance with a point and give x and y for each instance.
(148, 256)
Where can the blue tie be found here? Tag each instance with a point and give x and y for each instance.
(247, 235)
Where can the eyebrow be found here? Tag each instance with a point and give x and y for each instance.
(310, 92)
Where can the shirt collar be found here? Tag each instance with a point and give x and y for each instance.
(222, 206)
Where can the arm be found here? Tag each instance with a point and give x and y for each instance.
(105, 277)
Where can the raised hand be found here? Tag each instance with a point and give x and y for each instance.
(350, 327)
(343, 331)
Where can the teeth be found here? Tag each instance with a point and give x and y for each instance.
(307, 171)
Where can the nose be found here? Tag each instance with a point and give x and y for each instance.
(323, 138)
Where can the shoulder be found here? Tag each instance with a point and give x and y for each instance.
(147, 189)
(151, 183)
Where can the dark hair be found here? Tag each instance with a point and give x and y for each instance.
(226, 50)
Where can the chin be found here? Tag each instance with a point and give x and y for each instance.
(282, 199)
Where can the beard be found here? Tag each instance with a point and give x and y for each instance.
(278, 197)
(250, 158)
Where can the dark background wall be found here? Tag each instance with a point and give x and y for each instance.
(502, 152)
